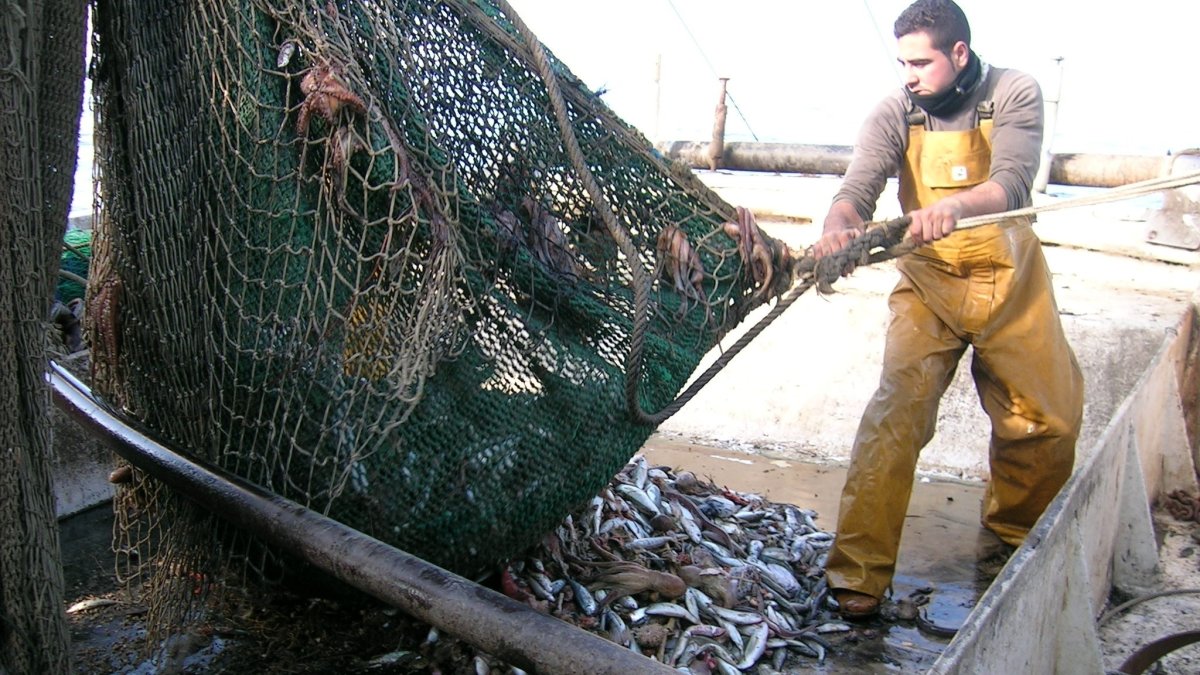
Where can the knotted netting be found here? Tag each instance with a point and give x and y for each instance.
(41, 88)
(393, 261)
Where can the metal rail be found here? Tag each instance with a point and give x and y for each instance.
(513, 632)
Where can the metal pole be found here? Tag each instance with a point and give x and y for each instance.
(658, 98)
(717, 148)
(1042, 178)
(512, 632)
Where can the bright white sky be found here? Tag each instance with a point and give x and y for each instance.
(808, 71)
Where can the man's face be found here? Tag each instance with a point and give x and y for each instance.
(926, 69)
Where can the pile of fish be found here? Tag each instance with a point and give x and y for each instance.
(700, 577)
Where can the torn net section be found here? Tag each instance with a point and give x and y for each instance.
(341, 252)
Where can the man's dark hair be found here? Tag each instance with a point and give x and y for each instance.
(942, 20)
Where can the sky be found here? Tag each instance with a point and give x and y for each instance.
(808, 71)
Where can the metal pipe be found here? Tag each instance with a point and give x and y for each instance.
(771, 157)
(511, 631)
(1042, 178)
(1082, 170)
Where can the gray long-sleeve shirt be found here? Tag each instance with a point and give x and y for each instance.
(1016, 139)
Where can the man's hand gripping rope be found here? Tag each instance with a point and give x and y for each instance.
(879, 242)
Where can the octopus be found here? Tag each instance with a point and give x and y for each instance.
(629, 578)
(542, 235)
(547, 240)
(681, 264)
(325, 94)
(1183, 506)
(104, 310)
(343, 143)
(761, 259)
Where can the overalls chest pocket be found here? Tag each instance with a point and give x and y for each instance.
(955, 159)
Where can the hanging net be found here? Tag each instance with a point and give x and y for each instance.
(393, 261)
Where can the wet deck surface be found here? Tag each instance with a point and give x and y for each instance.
(943, 546)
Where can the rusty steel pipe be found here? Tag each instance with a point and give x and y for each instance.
(1089, 170)
(511, 631)
(770, 157)
(1081, 170)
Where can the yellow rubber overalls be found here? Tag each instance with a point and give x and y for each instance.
(988, 287)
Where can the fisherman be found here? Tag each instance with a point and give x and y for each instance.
(965, 139)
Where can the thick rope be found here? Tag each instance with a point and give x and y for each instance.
(1130, 191)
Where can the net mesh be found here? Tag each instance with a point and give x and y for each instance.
(41, 88)
(347, 251)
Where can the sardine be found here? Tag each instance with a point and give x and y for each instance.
(638, 497)
(655, 495)
(734, 616)
(735, 636)
(583, 597)
(802, 647)
(689, 601)
(816, 647)
(638, 472)
(715, 506)
(778, 657)
(753, 550)
(618, 632)
(722, 555)
(670, 609)
(690, 527)
(597, 512)
(647, 543)
(704, 630)
(539, 585)
(749, 516)
(726, 668)
(781, 576)
(708, 646)
(697, 598)
(756, 645)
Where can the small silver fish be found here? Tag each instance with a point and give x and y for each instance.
(638, 498)
(583, 597)
(736, 617)
(756, 645)
(286, 51)
(647, 543)
(688, 521)
(735, 636)
(670, 609)
(704, 630)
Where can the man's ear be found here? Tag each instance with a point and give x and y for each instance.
(959, 54)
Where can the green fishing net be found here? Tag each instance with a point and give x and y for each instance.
(391, 260)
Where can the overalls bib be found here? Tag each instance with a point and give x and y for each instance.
(988, 287)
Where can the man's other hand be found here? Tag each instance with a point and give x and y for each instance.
(934, 222)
